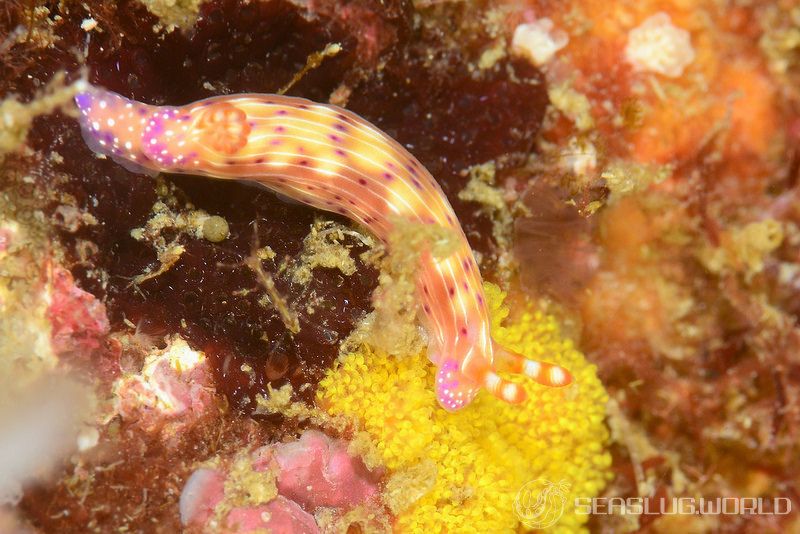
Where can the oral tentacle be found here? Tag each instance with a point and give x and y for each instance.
(546, 374)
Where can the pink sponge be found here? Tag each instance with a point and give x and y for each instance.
(317, 471)
(279, 516)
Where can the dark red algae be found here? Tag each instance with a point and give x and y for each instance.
(446, 113)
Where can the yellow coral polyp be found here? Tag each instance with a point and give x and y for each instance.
(480, 457)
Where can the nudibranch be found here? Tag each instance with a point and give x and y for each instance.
(334, 160)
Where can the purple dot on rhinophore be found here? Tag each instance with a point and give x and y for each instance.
(83, 100)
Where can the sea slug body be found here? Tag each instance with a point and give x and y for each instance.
(334, 160)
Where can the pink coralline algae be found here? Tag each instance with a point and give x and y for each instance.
(175, 385)
(313, 472)
(78, 319)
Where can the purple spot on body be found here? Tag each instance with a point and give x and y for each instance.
(302, 106)
(449, 365)
(142, 111)
(416, 183)
(426, 308)
(341, 153)
(387, 176)
(335, 138)
(342, 211)
(275, 142)
(303, 162)
(258, 160)
(280, 129)
(281, 112)
(337, 197)
(465, 286)
(230, 162)
(362, 181)
(83, 100)
(340, 127)
(449, 219)
(451, 291)
(463, 331)
(480, 300)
